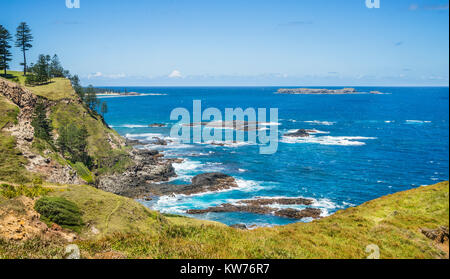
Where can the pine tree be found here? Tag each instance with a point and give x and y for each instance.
(104, 109)
(41, 70)
(23, 41)
(56, 70)
(77, 87)
(91, 98)
(42, 126)
(5, 53)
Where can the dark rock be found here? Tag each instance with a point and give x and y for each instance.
(132, 142)
(302, 133)
(439, 235)
(157, 125)
(135, 182)
(239, 226)
(299, 214)
(208, 182)
(159, 141)
(259, 209)
(283, 201)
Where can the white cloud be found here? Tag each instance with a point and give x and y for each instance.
(175, 74)
(100, 74)
(94, 75)
(413, 7)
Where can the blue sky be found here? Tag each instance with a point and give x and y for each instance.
(241, 42)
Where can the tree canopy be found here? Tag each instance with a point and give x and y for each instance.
(5, 53)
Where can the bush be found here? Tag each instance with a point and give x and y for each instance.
(72, 143)
(59, 211)
(11, 192)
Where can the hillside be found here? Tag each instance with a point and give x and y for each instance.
(63, 107)
(118, 227)
(35, 175)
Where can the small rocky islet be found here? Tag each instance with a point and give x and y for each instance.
(319, 91)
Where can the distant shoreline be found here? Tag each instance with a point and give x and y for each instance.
(129, 94)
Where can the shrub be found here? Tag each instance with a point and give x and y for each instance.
(11, 192)
(59, 211)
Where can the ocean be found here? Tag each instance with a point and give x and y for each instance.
(368, 146)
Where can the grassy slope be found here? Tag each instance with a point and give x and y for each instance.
(130, 230)
(392, 222)
(11, 162)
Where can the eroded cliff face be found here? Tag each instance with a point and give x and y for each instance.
(23, 131)
(105, 146)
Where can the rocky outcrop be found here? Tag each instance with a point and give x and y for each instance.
(209, 182)
(20, 96)
(282, 201)
(259, 209)
(239, 226)
(157, 125)
(138, 185)
(301, 133)
(135, 182)
(440, 235)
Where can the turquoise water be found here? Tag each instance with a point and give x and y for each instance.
(370, 145)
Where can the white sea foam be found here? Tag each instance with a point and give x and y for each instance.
(148, 136)
(129, 126)
(417, 121)
(227, 143)
(318, 122)
(328, 140)
(100, 96)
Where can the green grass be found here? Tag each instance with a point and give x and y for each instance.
(110, 213)
(125, 227)
(12, 163)
(9, 191)
(15, 76)
(83, 172)
(56, 89)
(393, 223)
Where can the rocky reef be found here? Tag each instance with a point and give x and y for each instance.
(261, 206)
(302, 133)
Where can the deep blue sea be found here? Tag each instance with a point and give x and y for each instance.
(369, 145)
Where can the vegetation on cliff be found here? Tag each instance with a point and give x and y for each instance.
(12, 163)
(65, 130)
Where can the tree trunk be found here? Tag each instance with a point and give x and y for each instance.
(4, 58)
(24, 63)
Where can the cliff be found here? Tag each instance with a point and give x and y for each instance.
(34, 158)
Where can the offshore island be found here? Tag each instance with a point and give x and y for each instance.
(318, 91)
